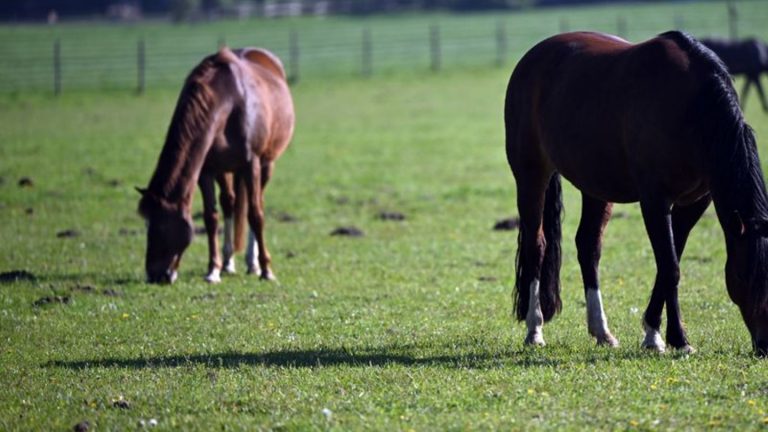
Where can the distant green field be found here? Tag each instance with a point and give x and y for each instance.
(406, 328)
(105, 55)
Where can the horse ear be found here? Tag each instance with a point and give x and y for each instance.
(736, 224)
(142, 191)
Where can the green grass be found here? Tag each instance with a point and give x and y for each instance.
(104, 55)
(407, 328)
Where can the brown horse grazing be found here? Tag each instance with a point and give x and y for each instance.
(656, 122)
(233, 119)
(748, 57)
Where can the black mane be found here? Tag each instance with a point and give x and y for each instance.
(737, 183)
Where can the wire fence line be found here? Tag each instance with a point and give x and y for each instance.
(42, 61)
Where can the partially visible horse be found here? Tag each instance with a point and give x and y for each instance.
(656, 122)
(233, 119)
(748, 57)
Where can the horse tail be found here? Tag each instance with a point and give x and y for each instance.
(240, 214)
(549, 282)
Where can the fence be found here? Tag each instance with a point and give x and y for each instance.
(158, 55)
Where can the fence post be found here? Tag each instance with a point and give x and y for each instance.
(222, 42)
(57, 67)
(733, 20)
(141, 66)
(564, 25)
(621, 27)
(501, 43)
(293, 57)
(367, 57)
(434, 48)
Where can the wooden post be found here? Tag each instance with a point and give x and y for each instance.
(621, 27)
(434, 48)
(501, 43)
(564, 28)
(733, 20)
(141, 66)
(367, 55)
(57, 67)
(293, 57)
(222, 42)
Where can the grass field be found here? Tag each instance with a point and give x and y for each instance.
(407, 328)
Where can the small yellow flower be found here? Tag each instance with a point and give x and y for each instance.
(765, 420)
(531, 391)
(653, 386)
(751, 402)
(634, 423)
(125, 316)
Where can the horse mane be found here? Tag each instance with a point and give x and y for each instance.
(192, 119)
(737, 182)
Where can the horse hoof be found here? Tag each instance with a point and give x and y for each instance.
(686, 349)
(213, 277)
(268, 276)
(253, 270)
(230, 267)
(607, 340)
(661, 349)
(535, 339)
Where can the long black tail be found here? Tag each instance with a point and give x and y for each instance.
(549, 278)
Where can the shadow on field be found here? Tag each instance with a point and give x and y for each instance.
(371, 358)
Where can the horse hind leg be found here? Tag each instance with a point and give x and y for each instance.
(257, 257)
(595, 215)
(535, 300)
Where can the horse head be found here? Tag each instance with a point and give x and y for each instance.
(746, 275)
(169, 233)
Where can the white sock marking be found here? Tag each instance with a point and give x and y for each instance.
(214, 276)
(597, 323)
(228, 248)
(535, 319)
(252, 254)
(653, 339)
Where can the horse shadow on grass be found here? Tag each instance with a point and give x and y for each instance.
(366, 357)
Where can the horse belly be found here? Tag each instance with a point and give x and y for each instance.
(598, 176)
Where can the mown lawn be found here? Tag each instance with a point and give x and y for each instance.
(407, 328)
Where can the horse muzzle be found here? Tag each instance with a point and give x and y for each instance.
(167, 277)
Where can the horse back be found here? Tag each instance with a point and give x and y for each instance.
(596, 108)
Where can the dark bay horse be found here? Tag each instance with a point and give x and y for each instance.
(233, 119)
(656, 122)
(748, 57)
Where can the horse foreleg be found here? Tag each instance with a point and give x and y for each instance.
(658, 222)
(227, 201)
(683, 220)
(595, 215)
(210, 217)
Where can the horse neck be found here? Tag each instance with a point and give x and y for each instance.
(188, 140)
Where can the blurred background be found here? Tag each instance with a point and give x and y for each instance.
(60, 45)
